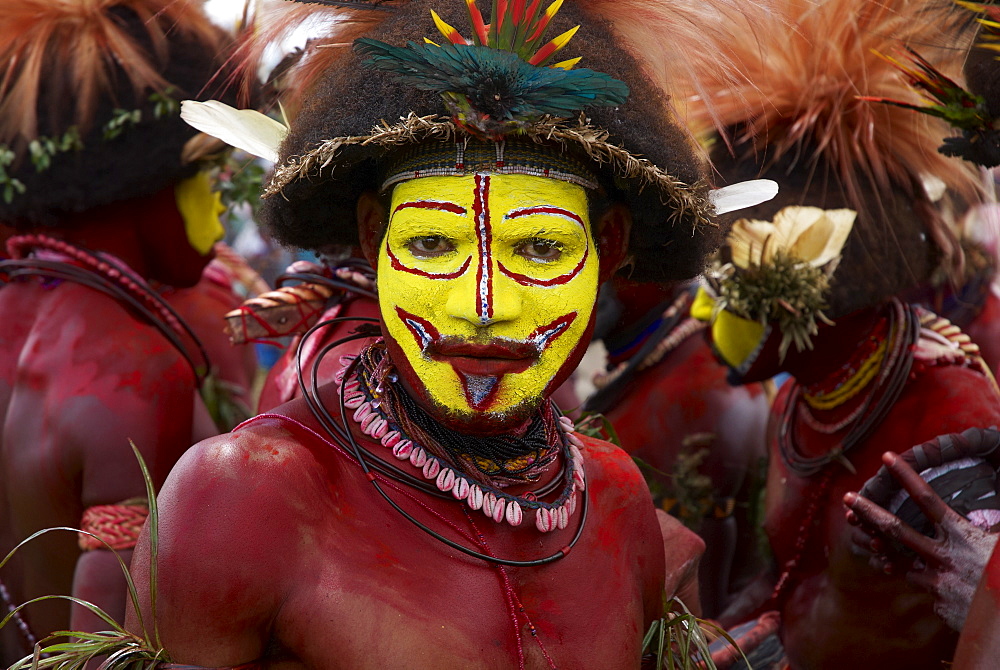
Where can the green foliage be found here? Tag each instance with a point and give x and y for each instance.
(43, 149)
(8, 183)
(684, 492)
(164, 105)
(598, 426)
(121, 120)
(220, 399)
(239, 181)
(785, 292)
(73, 650)
(677, 640)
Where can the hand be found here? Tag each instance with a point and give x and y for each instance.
(948, 565)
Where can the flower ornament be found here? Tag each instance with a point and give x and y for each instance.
(780, 270)
(808, 234)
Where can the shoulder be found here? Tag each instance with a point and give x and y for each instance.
(954, 396)
(611, 473)
(254, 490)
(268, 451)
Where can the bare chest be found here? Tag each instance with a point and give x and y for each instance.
(381, 593)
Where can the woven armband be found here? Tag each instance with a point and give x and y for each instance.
(118, 525)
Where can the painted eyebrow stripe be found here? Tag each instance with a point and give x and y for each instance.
(436, 205)
(550, 210)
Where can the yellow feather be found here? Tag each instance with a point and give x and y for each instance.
(567, 64)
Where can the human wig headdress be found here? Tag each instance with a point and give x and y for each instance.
(88, 100)
(507, 83)
(800, 116)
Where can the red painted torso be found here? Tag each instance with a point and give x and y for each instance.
(841, 613)
(985, 329)
(684, 395)
(685, 398)
(79, 377)
(275, 548)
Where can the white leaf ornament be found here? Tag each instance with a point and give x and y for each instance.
(742, 195)
(245, 129)
(809, 234)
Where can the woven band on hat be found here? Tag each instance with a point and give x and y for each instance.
(455, 159)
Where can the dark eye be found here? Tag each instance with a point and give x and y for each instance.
(540, 250)
(431, 246)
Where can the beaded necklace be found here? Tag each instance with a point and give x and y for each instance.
(376, 470)
(380, 413)
(53, 259)
(904, 330)
(15, 613)
(854, 375)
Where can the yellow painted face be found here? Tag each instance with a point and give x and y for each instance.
(487, 286)
(200, 207)
(735, 339)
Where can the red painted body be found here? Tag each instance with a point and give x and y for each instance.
(840, 612)
(81, 375)
(985, 329)
(979, 645)
(683, 396)
(330, 576)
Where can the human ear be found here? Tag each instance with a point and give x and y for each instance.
(371, 215)
(612, 235)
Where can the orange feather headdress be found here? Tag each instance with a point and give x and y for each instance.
(798, 113)
(84, 46)
(804, 70)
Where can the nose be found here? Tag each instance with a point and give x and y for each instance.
(477, 298)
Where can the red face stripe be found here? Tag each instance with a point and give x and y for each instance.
(484, 233)
(423, 331)
(555, 281)
(544, 336)
(545, 209)
(436, 205)
(398, 265)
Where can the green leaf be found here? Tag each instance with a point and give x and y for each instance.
(153, 523)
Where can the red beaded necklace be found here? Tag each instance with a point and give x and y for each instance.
(43, 256)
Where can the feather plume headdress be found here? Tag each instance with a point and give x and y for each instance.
(364, 104)
(804, 115)
(86, 46)
(807, 68)
(89, 91)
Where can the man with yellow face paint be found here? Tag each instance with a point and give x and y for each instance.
(106, 312)
(489, 291)
(432, 507)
